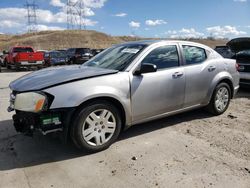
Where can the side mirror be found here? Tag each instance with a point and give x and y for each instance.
(146, 68)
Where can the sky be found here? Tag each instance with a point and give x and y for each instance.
(145, 18)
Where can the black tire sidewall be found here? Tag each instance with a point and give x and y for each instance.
(80, 117)
(218, 87)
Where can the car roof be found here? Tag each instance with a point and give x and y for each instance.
(152, 42)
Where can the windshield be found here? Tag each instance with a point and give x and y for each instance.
(83, 50)
(57, 54)
(18, 50)
(116, 58)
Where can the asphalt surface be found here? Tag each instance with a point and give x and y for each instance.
(192, 149)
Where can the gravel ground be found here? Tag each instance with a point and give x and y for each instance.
(192, 149)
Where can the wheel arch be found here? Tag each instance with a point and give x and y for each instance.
(222, 77)
(230, 83)
(111, 100)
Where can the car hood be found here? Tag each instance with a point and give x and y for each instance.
(56, 76)
(239, 44)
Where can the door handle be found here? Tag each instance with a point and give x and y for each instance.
(177, 74)
(211, 68)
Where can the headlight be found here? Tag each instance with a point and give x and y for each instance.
(30, 102)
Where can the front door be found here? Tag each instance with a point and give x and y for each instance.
(154, 94)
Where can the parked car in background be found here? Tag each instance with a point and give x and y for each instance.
(97, 51)
(241, 48)
(62, 50)
(79, 55)
(125, 85)
(53, 58)
(23, 56)
(1, 59)
(42, 51)
(224, 51)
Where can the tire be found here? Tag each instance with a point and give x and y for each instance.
(217, 106)
(89, 130)
(8, 66)
(17, 68)
(4, 63)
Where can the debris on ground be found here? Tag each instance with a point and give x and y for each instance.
(232, 116)
(134, 158)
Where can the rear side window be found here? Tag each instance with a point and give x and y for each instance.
(18, 50)
(194, 55)
(163, 57)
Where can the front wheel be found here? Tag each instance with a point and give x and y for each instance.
(96, 126)
(220, 100)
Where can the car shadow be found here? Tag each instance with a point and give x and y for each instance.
(5, 70)
(19, 151)
(244, 92)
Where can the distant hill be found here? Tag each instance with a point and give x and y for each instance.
(48, 40)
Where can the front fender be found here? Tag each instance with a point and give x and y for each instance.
(73, 94)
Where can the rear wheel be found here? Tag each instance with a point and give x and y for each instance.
(220, 99)
(96, 126)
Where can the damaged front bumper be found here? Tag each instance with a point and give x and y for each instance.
(45, 122)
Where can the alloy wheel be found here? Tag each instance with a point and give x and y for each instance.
(99, 127)
(222, 99)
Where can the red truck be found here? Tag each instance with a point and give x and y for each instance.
(23, 56)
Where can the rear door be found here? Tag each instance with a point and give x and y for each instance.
(153, 94)
(199, 73)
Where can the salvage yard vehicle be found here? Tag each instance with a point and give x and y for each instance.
(125, 85)
(224, 51)
(53, 58)
(97, 51)
(23, 56)
(241, 47)
(79, 55)
(1, 59)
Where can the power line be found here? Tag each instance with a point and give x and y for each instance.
(76, 14)
(31, 15)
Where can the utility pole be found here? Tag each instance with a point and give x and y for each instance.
(31, 15)
(76, 14)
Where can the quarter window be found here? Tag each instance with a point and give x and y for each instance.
(194, 55)
(163, 57)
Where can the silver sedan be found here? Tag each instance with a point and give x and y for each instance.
(124, 85)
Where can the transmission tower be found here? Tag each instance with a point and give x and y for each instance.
(76, 14)
(31, 7)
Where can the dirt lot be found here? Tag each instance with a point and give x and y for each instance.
(193, 149)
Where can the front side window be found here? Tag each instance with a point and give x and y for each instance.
(194, 55)
(163, 57)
